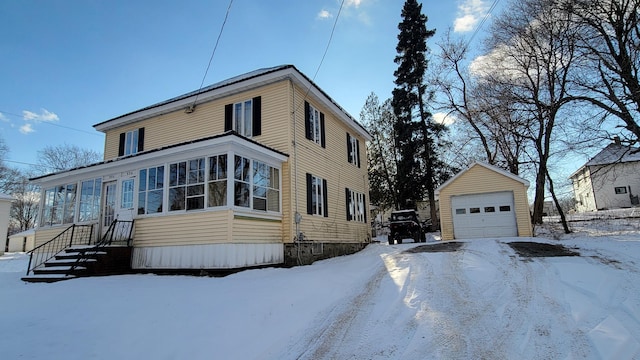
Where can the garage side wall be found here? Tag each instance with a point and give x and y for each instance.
(477, 180)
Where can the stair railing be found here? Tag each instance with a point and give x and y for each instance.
(73, 235)
(119, 232)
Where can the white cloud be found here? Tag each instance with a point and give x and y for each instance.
(45, 115)
(324, 14)
(469, 14)
(3, 118)
(354, 3)
(443, 118)
(26, 129)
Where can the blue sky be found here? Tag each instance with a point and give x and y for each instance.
(69, 64)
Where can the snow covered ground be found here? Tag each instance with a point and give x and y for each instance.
(481, 301)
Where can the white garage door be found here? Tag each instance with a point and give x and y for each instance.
(483, 215)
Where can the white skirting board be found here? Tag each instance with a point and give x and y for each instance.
(212, 256)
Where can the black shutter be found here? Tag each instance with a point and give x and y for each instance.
(140, 139)
(309, 194)
(364, 207)
(307, 122)
(257, 116)
(322, 141)
(324, 198)
(121, 144)
(348, 199)
(228, 117)
(358, 151)
(349, 157)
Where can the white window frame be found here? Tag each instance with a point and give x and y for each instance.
(356, 206)
(131, 142)
(317, 196)
(354, 150)
(243, 118)
(314, 123)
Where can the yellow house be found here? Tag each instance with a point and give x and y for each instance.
(484, 201)
(263, 168)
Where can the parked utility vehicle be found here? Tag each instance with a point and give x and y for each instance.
(405, 224)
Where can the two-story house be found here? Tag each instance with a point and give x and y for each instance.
(610, 180)
(263, 168)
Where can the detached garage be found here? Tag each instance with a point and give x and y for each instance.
(484, 201)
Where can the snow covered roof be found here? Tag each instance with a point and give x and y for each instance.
(615, 153)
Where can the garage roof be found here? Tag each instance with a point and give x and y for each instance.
(490, 167)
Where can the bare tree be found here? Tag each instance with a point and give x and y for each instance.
(608, 42)
(533, 52)
(64, 157)
(25, 207)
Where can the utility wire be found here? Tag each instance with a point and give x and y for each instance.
(53, 124)
(484, 19)
(215, 47)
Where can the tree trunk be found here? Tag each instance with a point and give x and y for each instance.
(563, 219)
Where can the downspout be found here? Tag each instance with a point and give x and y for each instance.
(296, 216)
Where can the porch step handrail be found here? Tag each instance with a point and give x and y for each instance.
(73, 235)
(119, 231)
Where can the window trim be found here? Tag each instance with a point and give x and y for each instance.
(356, 206)
(314, 126)
(320, 195)
(256, 117)
(131, 142)
(353, 150)
(620, 190)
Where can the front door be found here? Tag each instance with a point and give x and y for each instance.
(108, 205)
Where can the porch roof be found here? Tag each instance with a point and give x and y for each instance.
(229, 137)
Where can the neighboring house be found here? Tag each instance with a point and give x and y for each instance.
(263, 168)
(5, 210)
(22, 241)
(610, 180)
(484, 201)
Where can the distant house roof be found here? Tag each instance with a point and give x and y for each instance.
(615, 153)
(612, 154)
(232, 85)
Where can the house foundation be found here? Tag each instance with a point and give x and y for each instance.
(307, 252)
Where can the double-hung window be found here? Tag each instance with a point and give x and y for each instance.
(317, 196)
(314, 125)
(266, 187)
(131, 142)
(356, 209)
(244, 117)
(353, 150)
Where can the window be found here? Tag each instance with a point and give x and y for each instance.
(314, 124)
(489, 209)
(217, 181)
(244, 117)
(316, 196)
(90, 191)
(505, 208)
(474, 210)
(461, 211)
(266, 187)
(151, 190)
(356, 210)
(131, 142)
(186, 185)
(353, 150)
(59, 205)
(620, 190)
(242, 179)
(126, 196)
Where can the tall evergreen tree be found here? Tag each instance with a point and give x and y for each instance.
(419, 170)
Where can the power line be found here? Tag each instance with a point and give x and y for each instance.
(53, 124)
(484, 19)
(215, 47)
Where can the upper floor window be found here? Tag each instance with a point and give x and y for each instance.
(244, 117)
(356, 210)
(316, 196)
(131, 142)
(353, 150)
(314, 124)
